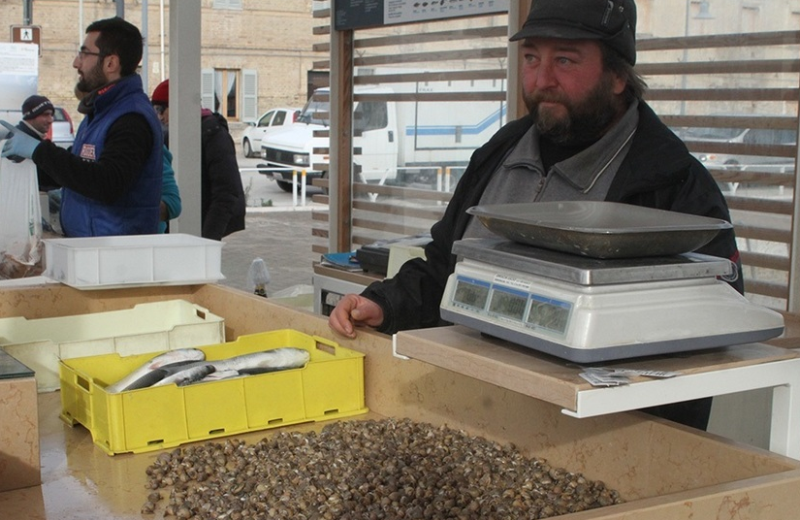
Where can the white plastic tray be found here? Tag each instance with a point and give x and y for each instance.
(40, 344)
(137, 260)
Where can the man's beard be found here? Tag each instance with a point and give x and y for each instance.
(585, 121)
(93, 79)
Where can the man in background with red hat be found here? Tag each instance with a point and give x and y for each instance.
(222, 199)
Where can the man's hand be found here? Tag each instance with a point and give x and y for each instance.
(18, 144)
(354, 310)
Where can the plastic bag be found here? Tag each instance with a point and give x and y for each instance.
(21, 218)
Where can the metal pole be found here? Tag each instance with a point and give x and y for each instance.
(145, 50)
(161, 38)
(685, 59)
(80, 23)
(120, 8)
(27, 12)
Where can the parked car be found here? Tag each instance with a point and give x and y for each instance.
(62, 132)
(747, 136)
(268, 122)
(742, 162)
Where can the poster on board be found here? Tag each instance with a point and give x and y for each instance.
(360, 14)
(19, 78)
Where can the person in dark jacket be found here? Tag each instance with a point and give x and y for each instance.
(588, 136)
(37, 119)
(222, 199)
(111, 176)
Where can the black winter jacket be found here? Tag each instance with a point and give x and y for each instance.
(658, 172)
(222, 196)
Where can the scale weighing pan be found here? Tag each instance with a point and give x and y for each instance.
(600, 229)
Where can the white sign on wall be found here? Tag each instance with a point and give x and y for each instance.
(359, 14)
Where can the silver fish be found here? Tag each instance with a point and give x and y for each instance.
(186, 375)
(219, 375)
(149, 373)
(265, 361)
(246, 364)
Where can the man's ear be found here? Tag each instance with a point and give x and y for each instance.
(111, 65)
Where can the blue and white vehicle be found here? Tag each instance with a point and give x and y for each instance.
(396, 142)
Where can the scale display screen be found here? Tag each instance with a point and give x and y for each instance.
(471, 292)
(549, 314)
(509, 304)
(512, 300)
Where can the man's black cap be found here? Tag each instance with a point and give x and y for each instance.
(612, 21)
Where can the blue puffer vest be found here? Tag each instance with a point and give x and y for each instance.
(136, 212)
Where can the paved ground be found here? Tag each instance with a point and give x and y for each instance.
(277, 229)
(282, 238)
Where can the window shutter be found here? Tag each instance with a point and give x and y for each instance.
(207, 89)
(249, 95)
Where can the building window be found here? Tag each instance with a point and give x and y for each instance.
(226, 82)
(231, 92)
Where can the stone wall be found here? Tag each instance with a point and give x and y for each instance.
(273, 37)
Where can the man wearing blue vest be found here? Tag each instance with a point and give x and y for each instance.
(111, 176)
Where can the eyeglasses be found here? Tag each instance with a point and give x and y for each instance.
(82, 54)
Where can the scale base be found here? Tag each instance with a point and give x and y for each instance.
(611, 353)
(551, 305)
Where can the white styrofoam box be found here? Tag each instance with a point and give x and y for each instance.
(148, 327)
(136, 260)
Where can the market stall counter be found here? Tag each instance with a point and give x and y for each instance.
(661, 470)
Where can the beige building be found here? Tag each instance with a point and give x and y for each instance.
(256, 53)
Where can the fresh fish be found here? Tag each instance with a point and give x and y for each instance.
(186, 371)
(219, 375)
(149, 373)
(187, 374)
(246, 364)
(265, 361)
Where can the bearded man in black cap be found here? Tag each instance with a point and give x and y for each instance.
(589, 135)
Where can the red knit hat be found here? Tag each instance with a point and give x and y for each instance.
(161, 94)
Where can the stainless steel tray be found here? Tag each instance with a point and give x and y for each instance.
(600, 229)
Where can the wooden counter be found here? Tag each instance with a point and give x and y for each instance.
(663, 470)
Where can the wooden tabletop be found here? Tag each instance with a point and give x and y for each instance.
(551, 379)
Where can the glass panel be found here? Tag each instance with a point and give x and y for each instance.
(722, 75)
(732, 106)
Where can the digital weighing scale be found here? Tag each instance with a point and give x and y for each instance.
(590, 310)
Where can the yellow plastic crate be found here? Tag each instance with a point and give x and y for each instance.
(330, 386)
(147, 327)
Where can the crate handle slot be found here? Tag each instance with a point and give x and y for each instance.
(325, 346)
(275, 421)
(200, 314)
(329, 412)
(159, 441)
(217, 431)
(83, 383)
